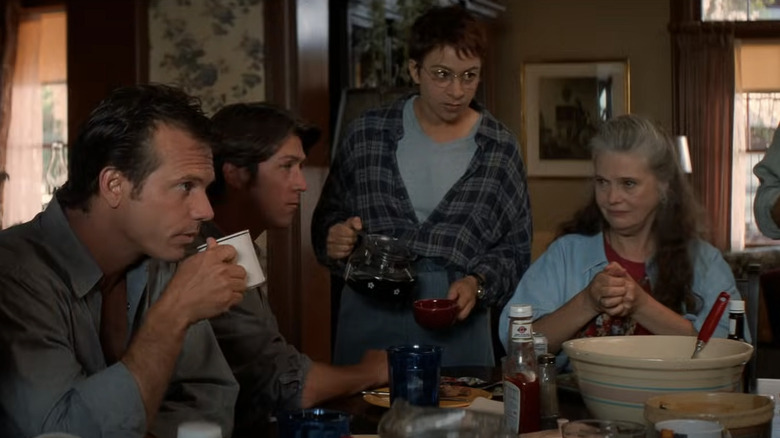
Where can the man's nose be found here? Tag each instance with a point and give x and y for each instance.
(201, 208)
(299, 182)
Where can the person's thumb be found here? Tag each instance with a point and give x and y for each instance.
(615, 269)
(355, 223)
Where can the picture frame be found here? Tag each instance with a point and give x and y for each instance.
(563, 104)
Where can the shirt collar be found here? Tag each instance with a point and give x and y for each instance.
(77, 262)
(396, 121)
(70, 254)
(598, 257)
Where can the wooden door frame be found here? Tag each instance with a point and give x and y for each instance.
(296, 35)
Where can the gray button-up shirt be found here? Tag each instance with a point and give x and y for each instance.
(53, 376)
(271, 372)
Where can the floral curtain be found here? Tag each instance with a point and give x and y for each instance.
(9, 23)
(704, 111)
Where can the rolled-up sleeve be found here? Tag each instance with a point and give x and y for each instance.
(768, 172)
(43, 385)
(271, 373)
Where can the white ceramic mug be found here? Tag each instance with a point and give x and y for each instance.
(199, 429)
(247, 257)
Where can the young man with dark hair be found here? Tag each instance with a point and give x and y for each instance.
(259, 179)
(94, 342)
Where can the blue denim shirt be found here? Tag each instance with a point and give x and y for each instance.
(571, 262)
(53, 375)
(768, 172)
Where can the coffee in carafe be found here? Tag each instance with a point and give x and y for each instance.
(381, 268)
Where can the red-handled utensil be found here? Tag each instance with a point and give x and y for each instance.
(711, 322)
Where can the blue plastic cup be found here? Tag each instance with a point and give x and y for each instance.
(415, 371)
(313, 423)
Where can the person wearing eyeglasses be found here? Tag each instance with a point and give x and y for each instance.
(439, 173)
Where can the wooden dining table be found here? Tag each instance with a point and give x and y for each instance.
(366, 417)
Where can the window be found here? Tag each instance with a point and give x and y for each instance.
(36, 152)
(55, 138)
(740, 10)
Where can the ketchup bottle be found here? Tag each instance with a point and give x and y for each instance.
(521, 381)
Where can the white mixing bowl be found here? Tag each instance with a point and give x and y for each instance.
(617, 374)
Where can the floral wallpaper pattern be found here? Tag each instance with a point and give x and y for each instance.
(213, 49)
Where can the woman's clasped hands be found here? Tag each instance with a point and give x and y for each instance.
(614, 292)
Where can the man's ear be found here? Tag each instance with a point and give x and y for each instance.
(414, 71)
(235, 177)
(111, 184)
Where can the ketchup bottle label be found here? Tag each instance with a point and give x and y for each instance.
(521, 403)
(512, 396)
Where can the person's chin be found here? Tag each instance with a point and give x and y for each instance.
(450, 116)
(284, 223)
(172, 254)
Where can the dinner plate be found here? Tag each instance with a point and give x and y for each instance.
(464, 392)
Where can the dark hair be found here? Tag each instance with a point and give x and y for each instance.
(250, 133)
(119, 132)
(447, 26)
(677, 216)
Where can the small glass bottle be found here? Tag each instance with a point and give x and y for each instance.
(548, 392)
(540, 343)
(521, 373)
(57, 170)
(737, 332)
(737, 320)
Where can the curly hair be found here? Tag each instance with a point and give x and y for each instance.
(447, 26)
(677, 219)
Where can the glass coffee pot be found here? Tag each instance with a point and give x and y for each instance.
(381, 268)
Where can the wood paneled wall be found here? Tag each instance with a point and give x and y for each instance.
(107, 48)
(297, 38)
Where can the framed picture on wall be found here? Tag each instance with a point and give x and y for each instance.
(563, 105)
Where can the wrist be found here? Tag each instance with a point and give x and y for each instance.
(166, 314)
(480, 281)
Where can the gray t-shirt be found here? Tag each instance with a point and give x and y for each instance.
(430, 169)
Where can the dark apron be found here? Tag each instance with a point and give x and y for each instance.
(366, 324)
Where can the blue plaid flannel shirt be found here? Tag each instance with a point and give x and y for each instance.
(482, 225)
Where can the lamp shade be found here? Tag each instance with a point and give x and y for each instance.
(683, 153)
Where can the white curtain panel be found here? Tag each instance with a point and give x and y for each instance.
(24, 159)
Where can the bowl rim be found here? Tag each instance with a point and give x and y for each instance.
(654, 363)
(766, 410)
(418, 304)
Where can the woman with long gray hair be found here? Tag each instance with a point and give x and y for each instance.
(633, 260)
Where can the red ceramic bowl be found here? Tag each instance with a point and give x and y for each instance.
(435, 314)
